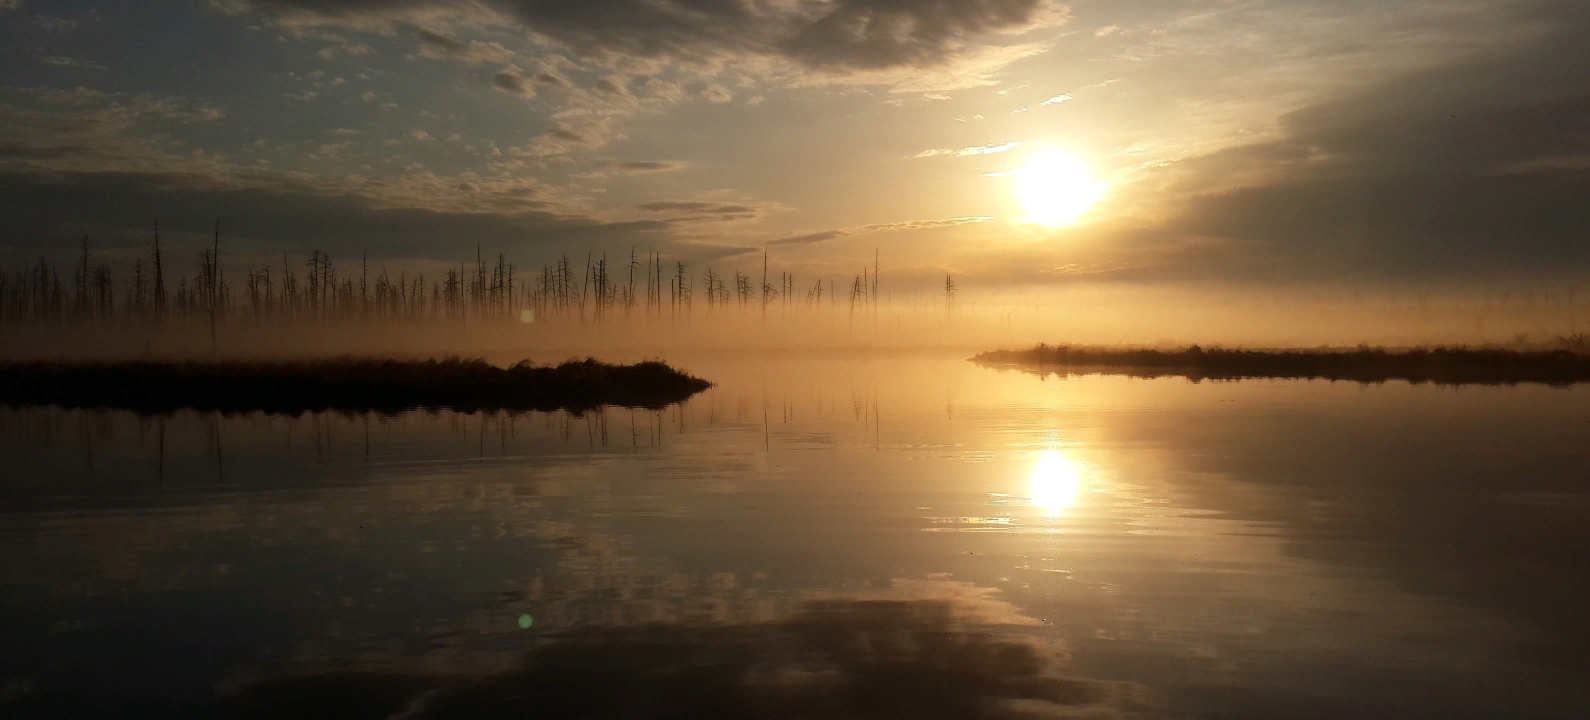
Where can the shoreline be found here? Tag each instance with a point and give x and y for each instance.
(1439, 365)
(345, 384)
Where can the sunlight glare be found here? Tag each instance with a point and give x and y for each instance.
(1055, 187)
(1055, 481)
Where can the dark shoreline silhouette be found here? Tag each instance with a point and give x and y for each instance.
(344, 384)
(1440, 365)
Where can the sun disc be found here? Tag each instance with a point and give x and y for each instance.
(1055, 187)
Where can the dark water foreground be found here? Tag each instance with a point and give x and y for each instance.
(344, 384)
(813, 537)
(1446, 366)
(829, 659)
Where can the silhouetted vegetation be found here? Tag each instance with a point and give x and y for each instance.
(344, 384)
(316, 289)
(1444, 365)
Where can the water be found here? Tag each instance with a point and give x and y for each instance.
(811, 527)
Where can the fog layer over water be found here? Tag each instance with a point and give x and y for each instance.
(969, 321)
(1110, 546)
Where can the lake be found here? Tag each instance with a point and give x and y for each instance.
(823, 535)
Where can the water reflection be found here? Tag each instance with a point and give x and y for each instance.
(1241, 549)
(1055, 482)
(871, 655)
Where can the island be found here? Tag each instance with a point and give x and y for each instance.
(346, 384)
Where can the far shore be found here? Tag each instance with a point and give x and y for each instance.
(1440, 365)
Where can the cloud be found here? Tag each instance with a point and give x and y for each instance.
(710, 212)
(44, 129)
(613, 85)
(826, 235)
(74, 161)
(325, 150)
(347, 49)
(274, 210)
(511, 81)
(809, 238)
(833, 39)
(421, 135)
(54, 24)
(62, 61)
(989, 149)
(1106, 31)
(436, 46)
(552, 80)
(665, 91)
(1448, 172)
(524, 83)
(571, 130)
(649, 166)
(1056, 100)
(693, 206)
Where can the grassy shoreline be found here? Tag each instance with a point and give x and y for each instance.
(1440, 365)
(347, 384)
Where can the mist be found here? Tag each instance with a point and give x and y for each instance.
(966, 321)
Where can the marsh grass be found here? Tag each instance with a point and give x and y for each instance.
(349, 384)
(1441, 365)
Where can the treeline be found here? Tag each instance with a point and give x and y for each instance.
(316, 289)
(1443, 365)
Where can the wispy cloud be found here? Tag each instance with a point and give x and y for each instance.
(826, 235)
(696, 211)
(511, 80)
(346, 49)
(648, 166)
(436, 46)
(62, 61)
(989, 149)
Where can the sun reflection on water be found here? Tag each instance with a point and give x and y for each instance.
(1055, 481)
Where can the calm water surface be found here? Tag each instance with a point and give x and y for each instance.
(1094, 546)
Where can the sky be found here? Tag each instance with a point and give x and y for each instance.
(1259, 142)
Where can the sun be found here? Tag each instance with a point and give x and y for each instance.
(1055, 187)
